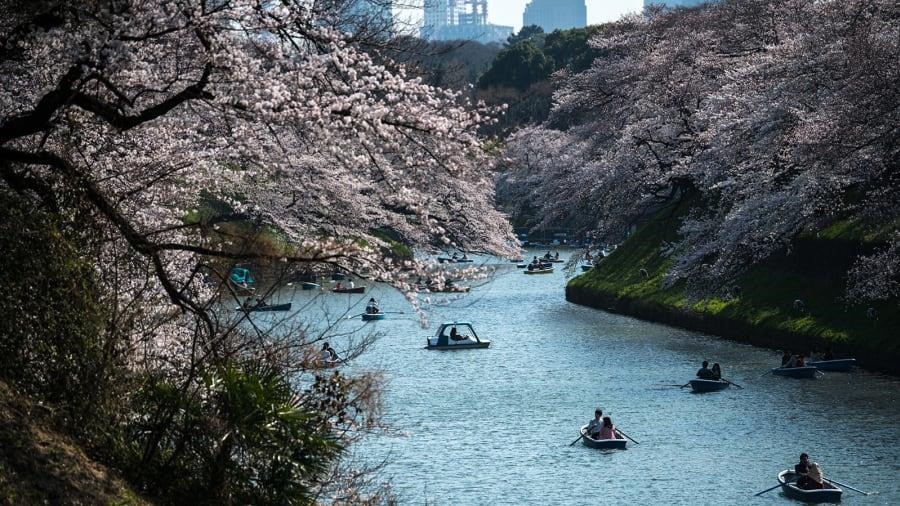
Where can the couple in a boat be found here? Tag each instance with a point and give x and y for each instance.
(601, 427)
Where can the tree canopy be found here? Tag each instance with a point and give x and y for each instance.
(150, 139)
(779, 118)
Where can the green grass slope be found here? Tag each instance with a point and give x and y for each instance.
(39, 465)
(762, 312)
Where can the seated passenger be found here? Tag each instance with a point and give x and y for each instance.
(801, 469)
(786, 359)
(608, 431)
(372, 306)
(816, 480)
(455, 336)
(717, 371)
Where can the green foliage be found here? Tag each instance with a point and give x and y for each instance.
(764, 295)
(50, 321)
(570, 49)
(527, 33)
(241, 434)
(518, 66)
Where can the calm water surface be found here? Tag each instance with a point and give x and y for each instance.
(494, 426)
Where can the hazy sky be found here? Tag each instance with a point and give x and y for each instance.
(509, 12)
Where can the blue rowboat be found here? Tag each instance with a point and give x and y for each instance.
(309, 286)
(796, 372)
(841, 364)
(368, 317)
(601, 444)
(703, 385)
(788, 479)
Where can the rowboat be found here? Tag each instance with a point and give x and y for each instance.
(368, 317)
(465, 337)
(602, 444)
(338, 276)
(841, 364)
(266, 307)
(355, 289)
(521, 266)
(787, 478)
(586, 267)
(309, 286)
(704, 385)
(796, 372)
(547, 270)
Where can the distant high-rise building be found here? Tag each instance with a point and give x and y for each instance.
(461, 20)
(677, 3)
(373, 15)
(555, 14)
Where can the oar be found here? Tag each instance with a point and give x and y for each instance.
(626, 435)
(685, 385)
(576, 439)
(847, 486)
(768, 489)
(733, 384)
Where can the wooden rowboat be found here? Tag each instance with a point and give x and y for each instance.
(601, 444)
(355, 289)
(796, 372)
(368, 317)
(703, 385)
(267, 307)
(841, 364)
(787, 478)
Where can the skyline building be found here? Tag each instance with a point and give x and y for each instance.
(372, 15)
(677, 3)
(555, 14)
(460, 20)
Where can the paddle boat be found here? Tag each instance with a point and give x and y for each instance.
(788, 479)
(455, 336)
(262, 306)
(602, 444)
(306, 285)
(242, 281)
(840, 364)
(369, 317)
(796, 372)
(704, 385)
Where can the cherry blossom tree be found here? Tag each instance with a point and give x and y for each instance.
(774, 118)
(128, 118)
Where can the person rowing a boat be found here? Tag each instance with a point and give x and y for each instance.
(704, 372)
(596, 423)
(372, 306)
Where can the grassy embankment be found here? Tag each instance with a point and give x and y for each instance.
(763, 313)
(39, 465)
